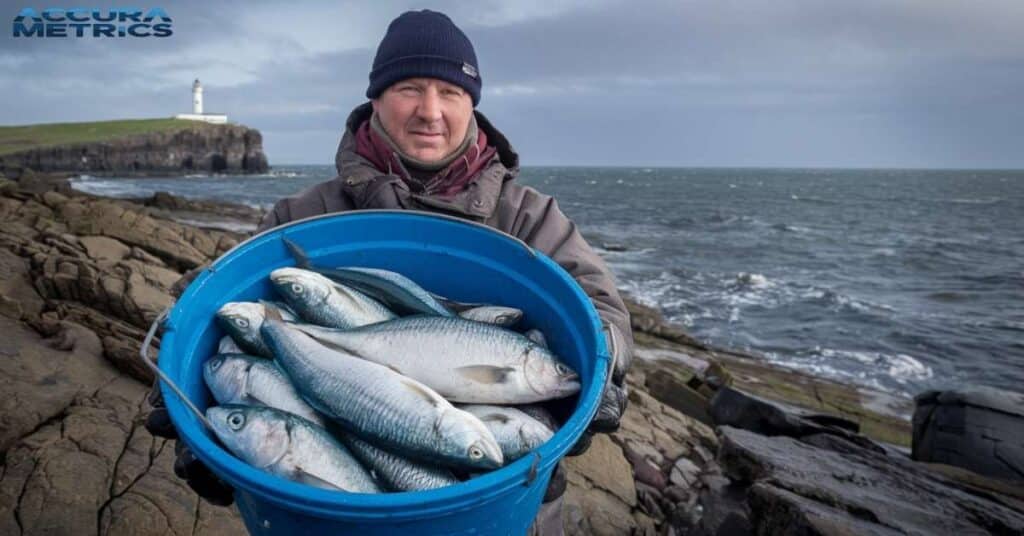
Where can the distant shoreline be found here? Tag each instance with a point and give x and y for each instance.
(142, 147)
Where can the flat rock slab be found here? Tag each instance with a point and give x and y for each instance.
(94, 469)
(828, 485)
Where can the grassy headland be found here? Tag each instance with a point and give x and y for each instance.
(24, 137)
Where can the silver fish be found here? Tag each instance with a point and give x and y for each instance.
(463, 360)
(517, 433)
(399, 293)
(321, 301)
(541, 414)
(494, 314)
(254, 381)
(242, 320)
(379, 404)
(397, 472)
(289, 446)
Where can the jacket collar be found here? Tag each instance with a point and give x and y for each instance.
(478, 200)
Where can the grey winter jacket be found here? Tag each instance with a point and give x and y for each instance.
(493, 198)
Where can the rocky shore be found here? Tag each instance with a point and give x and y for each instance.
(713, 441)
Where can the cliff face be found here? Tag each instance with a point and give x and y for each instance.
(199, 148)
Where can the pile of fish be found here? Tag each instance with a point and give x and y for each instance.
(361, 380)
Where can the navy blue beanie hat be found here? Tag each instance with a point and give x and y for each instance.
(425, 44)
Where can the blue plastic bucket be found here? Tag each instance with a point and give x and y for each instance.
(451, 257)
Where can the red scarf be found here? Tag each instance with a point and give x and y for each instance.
(445, 183)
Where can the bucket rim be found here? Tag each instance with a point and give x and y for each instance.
(415, 504)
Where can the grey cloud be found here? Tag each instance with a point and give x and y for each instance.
(794, 82)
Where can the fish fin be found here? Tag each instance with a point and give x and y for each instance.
(301, 475)
(301, 259)
(537, 336)
(281, 308)
(496, 417)
(455, 307)
(272, 312)
(485, 373)
(426, 395)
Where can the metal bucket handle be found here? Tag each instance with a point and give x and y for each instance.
(144, 353)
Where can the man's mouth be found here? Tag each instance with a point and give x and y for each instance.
(427, 134)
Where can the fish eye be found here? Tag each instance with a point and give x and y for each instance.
(236, 420)
(296, 288)
(216, 363)
(561, 369)
(475, 453)
(242, 323)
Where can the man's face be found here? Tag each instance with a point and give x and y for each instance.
(427, 118)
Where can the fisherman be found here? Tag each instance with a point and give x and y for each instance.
(420, 144)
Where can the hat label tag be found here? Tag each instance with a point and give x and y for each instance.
(469, 70)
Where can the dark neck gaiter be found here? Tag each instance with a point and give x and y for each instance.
(445, 178)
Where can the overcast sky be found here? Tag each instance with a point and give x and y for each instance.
(856, 83)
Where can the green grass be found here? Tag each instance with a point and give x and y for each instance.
(20, 138)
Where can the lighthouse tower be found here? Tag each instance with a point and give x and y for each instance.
(197, 97)
(197, 108)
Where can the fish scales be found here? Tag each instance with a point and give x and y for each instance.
(289, 446)
(463, 360)
(383, 406)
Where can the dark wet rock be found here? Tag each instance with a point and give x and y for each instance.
(731, 407)
(233, 218)
(839, 487)
(723, 508)
(175, 203)
(977, 428)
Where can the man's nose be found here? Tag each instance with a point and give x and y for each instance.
(429, 109)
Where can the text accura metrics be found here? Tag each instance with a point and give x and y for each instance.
(92, 22)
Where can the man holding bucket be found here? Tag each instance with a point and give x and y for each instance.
(419, 144)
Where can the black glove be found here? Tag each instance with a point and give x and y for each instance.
(186, 465)
(615, 397)
(557, 484)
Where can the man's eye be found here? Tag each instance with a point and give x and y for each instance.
(409, 89)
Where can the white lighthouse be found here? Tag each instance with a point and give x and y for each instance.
(197, 108)
(197, 97)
